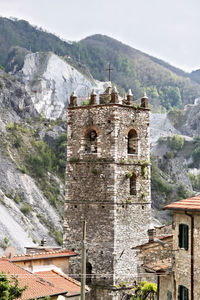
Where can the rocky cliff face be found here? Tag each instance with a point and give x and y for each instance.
(26, 214)
(187, 120)
(50, 81)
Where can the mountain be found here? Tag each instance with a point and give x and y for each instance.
(31, 173)
(166, 85)
(195, 75)
(50, 81)
(33, 146)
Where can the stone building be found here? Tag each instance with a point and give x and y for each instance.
(186, 248)
(154, 260)
(108, 185)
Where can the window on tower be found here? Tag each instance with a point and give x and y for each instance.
(88, 273)
(133, 182)
(132, 142)
(91, 142)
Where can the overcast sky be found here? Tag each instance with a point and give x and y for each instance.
(167, 29)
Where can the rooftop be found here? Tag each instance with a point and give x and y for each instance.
(191, 204)
(43, 255)
(156, 240)
(61, 281)
(37, 286)
(159, 266)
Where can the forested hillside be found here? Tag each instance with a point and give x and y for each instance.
(165, 85)
(132, 68)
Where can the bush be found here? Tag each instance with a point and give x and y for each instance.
(145, 290)
(59, 238)
(26, 209)
(22, 169)
(5, 243)
(37, 165)
(51, 198)
(169, 155)
(17, 198)
(195, 181)
(10, 288)
(182, 192)
(176, 143)
(157, 183)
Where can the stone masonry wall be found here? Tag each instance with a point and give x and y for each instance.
(98, 190)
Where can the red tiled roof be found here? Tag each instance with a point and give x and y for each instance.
(37, 287)
(162, 237)
(192, 204)
(44, 255)
(72, 286)
(159, 266)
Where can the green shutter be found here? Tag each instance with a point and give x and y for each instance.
(186, 237)
(180, 235)
(186, 294)
(179, 288)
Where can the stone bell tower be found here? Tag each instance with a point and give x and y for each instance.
(108, 185)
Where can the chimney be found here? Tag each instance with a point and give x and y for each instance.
(151, 234)
(129, 97)
(73, 100)
(114, 95)
(93, 98)
(144, 101)
(43, 242)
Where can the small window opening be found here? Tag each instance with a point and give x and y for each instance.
(88, 273)
(182, 293)
(75, 206)
(132, 142)
(133, 181)
(142, 206)
(183, 236)
(91, 142)
(109, 121)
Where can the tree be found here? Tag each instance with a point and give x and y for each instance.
(145, 290)
(9, 289)
(177, 142)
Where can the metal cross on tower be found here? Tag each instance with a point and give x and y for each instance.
(109, 71)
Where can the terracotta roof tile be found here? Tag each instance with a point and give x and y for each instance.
(192, 204)
(44, 255)
(72, 286)
(159, 266)
(37, 287)
(162, 237)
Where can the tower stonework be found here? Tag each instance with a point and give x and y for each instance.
(108, 185)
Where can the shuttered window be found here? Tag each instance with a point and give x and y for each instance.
(183, 236)
(183, 293)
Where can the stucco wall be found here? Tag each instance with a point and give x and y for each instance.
(61, 262)
(182, 265)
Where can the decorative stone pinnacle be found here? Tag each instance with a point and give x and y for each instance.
(74, 94)
(114, 90)
(130, 93)
(93, 92)
(145, 96)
